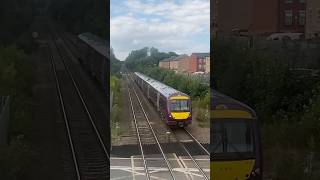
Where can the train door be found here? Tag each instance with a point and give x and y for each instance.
(148, 91)
(158, 98)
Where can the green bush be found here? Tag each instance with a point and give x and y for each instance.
(287, 104)
(16, 81)
(16, 159)
(116, 106)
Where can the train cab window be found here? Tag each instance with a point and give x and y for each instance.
(229, 136)
(239, 136)
(179, 105)
(216, 138)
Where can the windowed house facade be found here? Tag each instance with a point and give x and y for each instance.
(292, 15)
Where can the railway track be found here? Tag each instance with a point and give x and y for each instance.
(180, 141)
(145, 133)
(184, 138)
(89, 154)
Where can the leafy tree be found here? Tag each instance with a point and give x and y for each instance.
(82, 16)
(15, 18)
(115, 64)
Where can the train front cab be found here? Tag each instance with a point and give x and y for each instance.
(179, 110)
(235, 143)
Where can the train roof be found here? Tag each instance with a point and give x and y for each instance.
(221, 99)
(100, 45)
(165, 90)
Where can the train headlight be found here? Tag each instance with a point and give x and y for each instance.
(256, 171)
(255, 174)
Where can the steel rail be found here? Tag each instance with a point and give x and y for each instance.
(83, 102)
(191, 157)
(186, 150)
(138, 135)
(67, 42)
(64, 114)
(195, 140)
(154, 135)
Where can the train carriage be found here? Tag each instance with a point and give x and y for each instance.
(174, 105)
(235, 140)
(95, 57)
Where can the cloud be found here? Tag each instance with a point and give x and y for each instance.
(180, 26)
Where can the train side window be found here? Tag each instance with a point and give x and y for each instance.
(216, 136)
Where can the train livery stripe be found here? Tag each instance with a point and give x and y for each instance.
(231, 169)
(180, 115)
(237, 114)
(179, 97)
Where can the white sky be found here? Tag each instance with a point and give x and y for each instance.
(181, 26)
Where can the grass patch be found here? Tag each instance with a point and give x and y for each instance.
(16, 81)
(116, 108)
(200, 110)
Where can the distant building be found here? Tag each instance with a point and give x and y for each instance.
(265, 16)
(182, 63)
(292, 16)
(173, 64)
(259, 17)
(197, 62)
(207, 65)
(232, 14)
(313, 19)
(165, 63)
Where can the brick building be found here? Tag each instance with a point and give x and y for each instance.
(197, 62)
(207, 65)
(183, 63)
(260, 16)
(265, 16)
(292, 15)
(187, 64)
(176, 63)
(165, 63)
(313, 19)
(232, 14)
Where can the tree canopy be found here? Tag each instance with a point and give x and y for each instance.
(146, 60)
(146, 57)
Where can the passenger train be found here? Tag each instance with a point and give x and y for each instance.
(174, 105)
(94, 57)
(235, 140)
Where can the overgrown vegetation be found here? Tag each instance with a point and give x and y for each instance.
(138, 60)
(146, 61)
(82, 16)
(116, 106)
(115, 86)
(16, 81)
(115, 64)
(15, 18)
(287, 104)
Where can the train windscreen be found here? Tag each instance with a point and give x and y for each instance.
(232, 138)
(179, 105)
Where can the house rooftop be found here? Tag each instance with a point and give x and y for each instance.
(201, 55)
(181, 57)
(168, 59)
